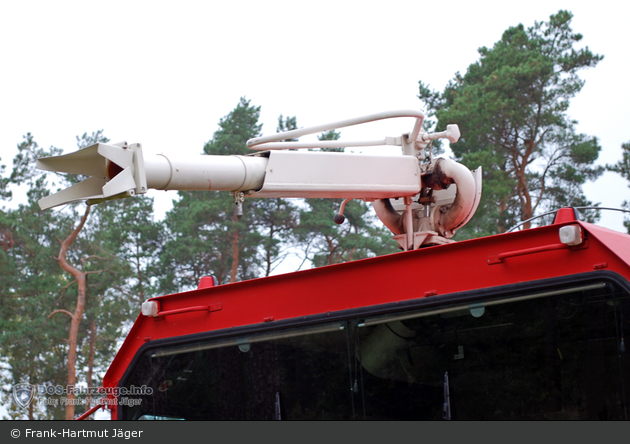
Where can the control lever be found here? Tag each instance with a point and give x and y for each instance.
(452, 134)
(339, 217)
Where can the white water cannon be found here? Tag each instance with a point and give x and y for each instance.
(412, 192)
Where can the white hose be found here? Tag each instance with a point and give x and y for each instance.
(448, 172)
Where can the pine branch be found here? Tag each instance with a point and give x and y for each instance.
(94, 272)
(61, 311)
(87, 258)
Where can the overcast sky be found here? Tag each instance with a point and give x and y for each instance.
(164, 73)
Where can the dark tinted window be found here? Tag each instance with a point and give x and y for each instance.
(553, 355)
(288, 377)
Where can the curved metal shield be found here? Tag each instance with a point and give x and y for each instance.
(23, 394)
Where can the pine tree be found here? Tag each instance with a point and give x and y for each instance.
(31, 344)
(79, 263)
(622, 167)
(511, 109)
(124, 237)
(59, 320)
(276, 218)
(325, 243)
(206, 237)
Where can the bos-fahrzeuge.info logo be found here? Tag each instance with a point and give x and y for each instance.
(24, 393)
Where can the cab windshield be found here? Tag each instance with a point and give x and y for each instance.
(556, 354)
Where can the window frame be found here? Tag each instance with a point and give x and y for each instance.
(373, 315)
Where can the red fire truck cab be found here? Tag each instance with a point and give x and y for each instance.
(528, 324)
(522, 325)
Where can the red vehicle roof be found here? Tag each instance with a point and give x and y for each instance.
(441, 272)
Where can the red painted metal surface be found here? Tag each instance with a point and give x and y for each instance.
(208, 308)
(89, 412)
(501, 257)
(494, 261)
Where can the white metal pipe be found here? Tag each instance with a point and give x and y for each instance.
(455, 217)
(205, 173)
(409, 223)
(339, 175)
(326, 144)
(340, 124)
(386, 213)
(466, 199)
(416, 129)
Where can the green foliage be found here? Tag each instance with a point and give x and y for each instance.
(511, 109)
(240, 125)
(119, 248)
(325, 243)
(127, 228)
(30, 343)
(287, 124)
(33, 344)
(622, 168)
(205, 236)
(201, 229)
(276, 218)
(24, 171)
(128, 257)
(5, 193)
(330, 135)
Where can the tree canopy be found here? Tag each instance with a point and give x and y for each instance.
(511, 107)
(205, 236)
(622, 167)
(68, 281)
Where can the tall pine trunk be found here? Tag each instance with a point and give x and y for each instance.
(75, 318)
